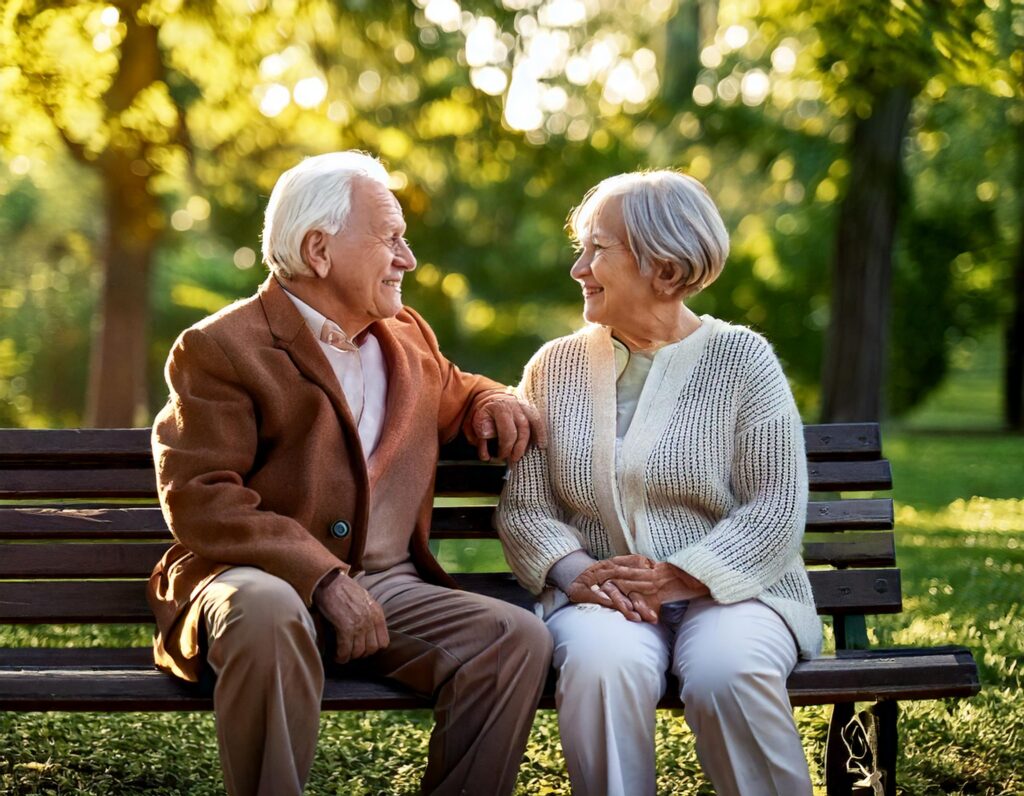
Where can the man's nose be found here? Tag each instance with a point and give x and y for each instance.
(404, 257)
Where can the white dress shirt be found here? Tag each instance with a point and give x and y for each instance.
(360, 370)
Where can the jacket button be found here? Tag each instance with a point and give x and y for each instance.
(340, 529)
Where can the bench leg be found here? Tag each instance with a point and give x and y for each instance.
(860, 754)
(885, 714)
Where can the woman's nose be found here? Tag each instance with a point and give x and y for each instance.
(581, 267)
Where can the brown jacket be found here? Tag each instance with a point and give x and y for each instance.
(258, 457)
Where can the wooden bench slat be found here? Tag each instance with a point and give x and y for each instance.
(113, 482)
(59, 447)
(136, 559)
(823, 476)
(83, 523)
(121, 560)
(449, 522)
(65, 446)
(847, 550)
(123, 601)
(870, 675)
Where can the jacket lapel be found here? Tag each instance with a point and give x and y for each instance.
(292, 335)
(400, 395)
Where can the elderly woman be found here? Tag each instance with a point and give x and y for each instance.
(661, 527)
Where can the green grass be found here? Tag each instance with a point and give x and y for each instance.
(963, 569)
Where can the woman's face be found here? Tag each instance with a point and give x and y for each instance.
(615, 293)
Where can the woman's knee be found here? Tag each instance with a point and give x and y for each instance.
(590, 661)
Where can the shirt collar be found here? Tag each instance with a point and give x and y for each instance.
(323, 328)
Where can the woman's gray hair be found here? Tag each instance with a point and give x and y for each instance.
(316, 194)
(670, 220)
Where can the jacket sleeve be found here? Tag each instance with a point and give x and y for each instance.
(751, 547)
(531, 522)
(461, 392)
(204, 444)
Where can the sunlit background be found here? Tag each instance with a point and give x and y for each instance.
(140, 140)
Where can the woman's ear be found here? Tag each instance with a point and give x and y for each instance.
(667, 278)
(314, 252)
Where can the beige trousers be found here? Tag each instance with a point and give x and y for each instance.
(482, 660)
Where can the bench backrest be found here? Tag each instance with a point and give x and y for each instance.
(80, 530)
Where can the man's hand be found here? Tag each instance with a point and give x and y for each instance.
(356, 616)
(513, 422)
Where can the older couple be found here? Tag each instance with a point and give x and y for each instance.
(660, 525)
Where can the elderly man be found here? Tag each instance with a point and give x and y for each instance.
(295, 463)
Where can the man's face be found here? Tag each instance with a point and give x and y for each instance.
(369, 257)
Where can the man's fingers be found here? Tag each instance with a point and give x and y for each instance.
(343, 648)
(506, 426)
(481, 449)
(539, 432)
(522, 424)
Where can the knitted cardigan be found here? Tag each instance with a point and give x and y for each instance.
(712, 478)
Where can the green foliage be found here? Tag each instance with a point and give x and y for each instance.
(486, 200)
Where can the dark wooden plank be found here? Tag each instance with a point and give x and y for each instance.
(877, 549)
(473, 478)
(35, 602)
(449, 522)
(57, 447)
(102, 602)
(860, 514)
(137, 559)
(76, 657)
(82, 523)
(80, 560)
(106, 482)
(849, 476)
(127, 560)
(873, 675)
(843, 441)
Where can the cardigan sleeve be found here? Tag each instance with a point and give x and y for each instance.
(531, 522)
(752, 546)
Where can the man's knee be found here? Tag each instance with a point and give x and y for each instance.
(253, 611)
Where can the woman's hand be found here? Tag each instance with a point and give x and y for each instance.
(608, 582)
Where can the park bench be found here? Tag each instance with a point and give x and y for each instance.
(80, 533)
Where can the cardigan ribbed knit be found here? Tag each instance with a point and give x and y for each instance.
(713, 475)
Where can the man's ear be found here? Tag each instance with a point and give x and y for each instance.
(314, 252)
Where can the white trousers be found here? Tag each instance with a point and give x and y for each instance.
(732, 662)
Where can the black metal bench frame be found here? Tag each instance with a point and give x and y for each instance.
(80, 532)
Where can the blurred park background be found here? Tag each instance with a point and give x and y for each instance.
(868, 157)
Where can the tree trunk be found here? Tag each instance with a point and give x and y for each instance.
(117, 368)
(852, 376)
(683, 40)
(1013, 386)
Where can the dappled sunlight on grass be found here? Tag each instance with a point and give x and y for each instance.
(975, 514)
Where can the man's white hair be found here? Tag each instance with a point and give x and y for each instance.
(670, 220)
(316, 194)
